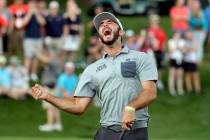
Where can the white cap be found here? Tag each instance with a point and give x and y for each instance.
(3, 59)
(53, 4)
(129, 33)
(105, 15)
(69, 65)
(153, 17)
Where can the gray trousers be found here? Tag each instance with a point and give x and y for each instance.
(108, 134)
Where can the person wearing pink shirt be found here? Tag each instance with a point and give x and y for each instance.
(179, 15)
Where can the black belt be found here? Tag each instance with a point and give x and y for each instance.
(116, 128)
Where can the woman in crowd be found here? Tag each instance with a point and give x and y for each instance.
(73, 29)
(199, 26)
(176, 45)
(192, 76)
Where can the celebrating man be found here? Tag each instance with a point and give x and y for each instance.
(124, 81)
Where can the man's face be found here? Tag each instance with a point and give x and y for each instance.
(180, 2)
(69, 70)
(108, 32)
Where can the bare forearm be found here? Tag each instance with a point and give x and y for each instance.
(27, 18)
(142, 100)
(66, 104)
(40, 19)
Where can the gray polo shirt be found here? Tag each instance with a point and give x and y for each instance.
(116, 81)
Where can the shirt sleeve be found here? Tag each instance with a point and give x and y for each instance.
(147, 69)
(86, 86)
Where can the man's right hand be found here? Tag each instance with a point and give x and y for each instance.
(38, 92)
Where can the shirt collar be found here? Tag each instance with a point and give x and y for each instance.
(124, 50)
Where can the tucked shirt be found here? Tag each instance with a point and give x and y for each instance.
(33, 29)
(54, 25)
(116, 81)
(69, 22)
(176, 49)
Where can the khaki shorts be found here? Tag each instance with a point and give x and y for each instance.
(31, 47)
(55, 45)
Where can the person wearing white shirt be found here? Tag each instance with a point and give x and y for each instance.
(176, 45)
(190, 64)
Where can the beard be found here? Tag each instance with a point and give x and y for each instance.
(110, 42)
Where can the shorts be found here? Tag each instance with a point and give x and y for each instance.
(174, 64)
(72, 43)
(32, 47)
(159, 57)
(54, 45)
(190, 67)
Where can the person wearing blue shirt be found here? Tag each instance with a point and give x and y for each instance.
(54, 28)
(207, 14)
(198, 24)
(65, 87)
(67, 81)
(4, 77)
(33, 21)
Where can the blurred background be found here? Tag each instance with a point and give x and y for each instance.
(52, 42)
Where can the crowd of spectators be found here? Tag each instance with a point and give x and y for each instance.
(49, 41)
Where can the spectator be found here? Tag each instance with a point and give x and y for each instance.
(19, 85)
(97, 9)
(147, 42)
(65, 87)
(6, 31)
(199, 26)
(176, 45)
(32, 21)
(192, 76)
(42, 4)
(131, 40)
(93, 51)
(54, 28)
(179, 15)
(159, 50)
(52, 68)
(207, 14)
(4, 77)
(18, 10)
(73, 29)
(3, 24)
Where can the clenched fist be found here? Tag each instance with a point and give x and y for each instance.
(38, 92)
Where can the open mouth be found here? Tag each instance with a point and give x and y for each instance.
(107, 31)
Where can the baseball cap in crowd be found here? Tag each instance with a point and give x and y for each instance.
(54, 5)
(69, 65)
(103, 16)
(129, 33)
(3, 59)
(153, 17)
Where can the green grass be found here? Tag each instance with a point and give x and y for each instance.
(181, 117)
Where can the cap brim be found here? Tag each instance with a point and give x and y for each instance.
(103, 16)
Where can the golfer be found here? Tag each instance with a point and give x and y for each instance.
(124, 81)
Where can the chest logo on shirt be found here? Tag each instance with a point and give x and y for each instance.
(99, 68)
